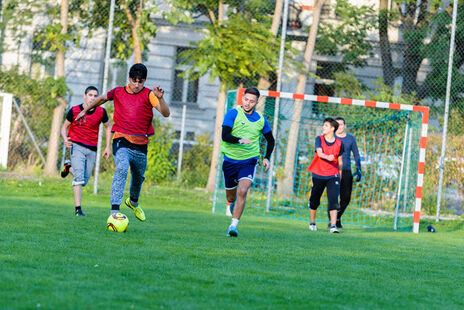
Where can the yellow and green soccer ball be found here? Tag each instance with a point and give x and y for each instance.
(117, 222)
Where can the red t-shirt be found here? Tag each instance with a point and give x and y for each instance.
(323, 167)
(85, 130)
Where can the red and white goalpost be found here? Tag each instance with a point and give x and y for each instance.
(374, 104)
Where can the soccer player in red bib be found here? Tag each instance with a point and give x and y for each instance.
(132, 125)
(326, 170)
(81, 137)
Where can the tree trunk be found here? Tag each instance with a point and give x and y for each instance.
(217, 138)
(286, 185)
(385, 49)
(413, 54)
(58, 112)
(264, 82)
(137, 47)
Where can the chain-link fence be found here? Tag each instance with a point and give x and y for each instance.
(392, 51)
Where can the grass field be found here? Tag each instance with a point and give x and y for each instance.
(180, 258)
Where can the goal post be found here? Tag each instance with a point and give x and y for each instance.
(391, 139)
(6, 101)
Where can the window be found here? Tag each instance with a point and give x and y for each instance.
(183, 90)
(323, 86)
(42, 61)
(325, 71)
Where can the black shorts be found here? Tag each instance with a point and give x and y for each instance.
(234, 172)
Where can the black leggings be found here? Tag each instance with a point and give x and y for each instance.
(346, 186)
(333, 191)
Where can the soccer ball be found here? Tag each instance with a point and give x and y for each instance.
(117, 222)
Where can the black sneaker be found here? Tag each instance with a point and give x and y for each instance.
(339, 224)
(65, 170)
(79, 212)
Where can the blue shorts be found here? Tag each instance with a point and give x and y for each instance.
(234, 172)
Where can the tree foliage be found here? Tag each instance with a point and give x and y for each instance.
(160, 162)
(131, 17)
(196, 163)
(346, 36)
(238, 48)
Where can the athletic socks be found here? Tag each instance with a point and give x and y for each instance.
(234, 222)
(78, 208)
(114, 209)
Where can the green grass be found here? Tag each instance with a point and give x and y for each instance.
(181, 259)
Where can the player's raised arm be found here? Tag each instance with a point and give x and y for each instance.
(98, 101)
(161, 105)
(321, 154)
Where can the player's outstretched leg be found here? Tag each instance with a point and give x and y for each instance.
(120, 176)
(138, 166)
(242, 191)
(230, 208)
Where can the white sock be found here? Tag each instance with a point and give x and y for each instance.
(114, 211)
(234, 222)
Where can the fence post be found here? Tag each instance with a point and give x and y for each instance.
(398, 195)
(5, 123)
(277, 105)
(103, 90)
(447, 102)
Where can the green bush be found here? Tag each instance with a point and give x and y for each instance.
(196, 163)
(160, 163)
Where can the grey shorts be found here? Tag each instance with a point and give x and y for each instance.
(82, 162)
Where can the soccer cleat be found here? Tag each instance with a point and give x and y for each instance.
(79, 212)
(312, 227)
(65, 170)
(232, 232)
(139, 214)
(334, 230)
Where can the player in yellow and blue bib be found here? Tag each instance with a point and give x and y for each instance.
(241, 130)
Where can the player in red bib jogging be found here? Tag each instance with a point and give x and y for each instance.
(81, 137)
(132, 125)
(326, 170)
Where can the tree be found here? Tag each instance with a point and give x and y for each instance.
(134, 26)
(58, 111)
(425, 32)
(346, 38)
(287, 182)
(238, 47)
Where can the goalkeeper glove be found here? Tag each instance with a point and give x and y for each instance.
(358, 175)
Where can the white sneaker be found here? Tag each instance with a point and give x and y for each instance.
(312, 227)
(334, 230)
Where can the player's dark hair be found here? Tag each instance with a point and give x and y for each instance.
(332, 122)
(89, 89)
(340, 119)
(138, 71)
(253, 91)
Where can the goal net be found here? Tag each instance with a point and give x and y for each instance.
(391, 140)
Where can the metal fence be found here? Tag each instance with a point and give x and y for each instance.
(406, 46)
